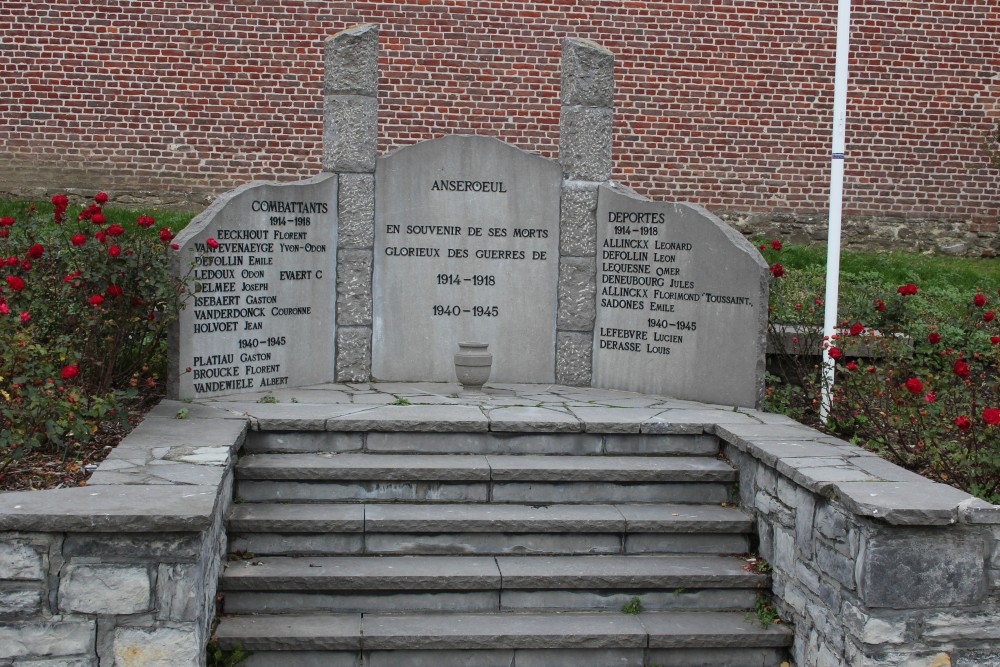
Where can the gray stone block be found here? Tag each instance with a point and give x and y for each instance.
(696, 629)
(836, 565)
(297, 632)
(576, 294)
(20, 603)
(168, 546)
(603, 492)
(484, 443)
(667, 444)
(20, 561)
(293, 518)
(179, 588)
(292, 491)
(304, 659)
(356, 211)
(923, 570)
(574, 354)
(923, 503)
(350, 466)
(354, 354)
(397, 518)
(685, 519)
(587, 77)
(413, 418)
(350, 130)
(354, 287)
(159, 647)
(578, 219)
(609, 469)
(614, 600)
(574, 657)
(302, 441)
(105, 589)
(350, 60)
(717, 657)
(585, 143)
(43, 639)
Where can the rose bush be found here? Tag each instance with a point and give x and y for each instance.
(917, 371)
(90, 324)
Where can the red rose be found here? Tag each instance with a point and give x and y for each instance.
(995, 340)
(857, 329)
(4, 309)
(26, 265)
(851, 366)
(4, 233)
(930, 397)
(879, 305)
(96, 300)
(70, 372)
(25, 316)
(988, 316)
(763, 247)
(15, 283)
(13, 261)
(35, 251)
(174, 246)
(101, 198)
(914, 386)
(166, 235)
(963, 423)
(961, 369)
(908, 289)
(934, 338)
(114, 230)
(114, 251)
(78, 239)
(979, 300)
(113, 290)
(777, 270)
(835, 353)
(776, 244)
(991, 416)
(60, 201)
(212, 243)
(144, 221)
(97, 218)
(6, 222)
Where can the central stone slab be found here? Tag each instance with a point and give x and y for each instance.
(466, 249)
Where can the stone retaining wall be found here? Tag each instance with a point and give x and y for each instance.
(874, 565)
(124, 570)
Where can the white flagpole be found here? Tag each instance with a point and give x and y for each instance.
(836, 201)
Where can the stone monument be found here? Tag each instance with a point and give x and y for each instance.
(377, 269)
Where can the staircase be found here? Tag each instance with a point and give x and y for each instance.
(463, 549)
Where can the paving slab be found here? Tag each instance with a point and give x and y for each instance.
(519, 419)
(617, 572)
(254, 490)
(441, 658)
(609, 468)
(603, 419)
(922, 503)
(485, 443)
(361, 573)
(672, 444)
(296, 544)
(295, 632)
(494, 631)
(705, 629)
(295, 416)
(351, 466)
(297, 518)
(367, 601)
(493, 543)
(400, 518)
(683, 518)
(714, 599)
(544, 492)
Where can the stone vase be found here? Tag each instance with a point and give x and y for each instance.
(473, 363)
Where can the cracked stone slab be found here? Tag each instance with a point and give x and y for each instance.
(817, 479)
(922, 503)
(420, 418)
(295, 417)
(741, 433)
(772, 451)
(601, 419)
(110, 509)
(521, 419)
(168, 409)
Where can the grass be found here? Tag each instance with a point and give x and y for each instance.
(897, 268)
(19, 210)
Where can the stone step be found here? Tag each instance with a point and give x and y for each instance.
(678, 639)
(379, 528)
(472, 478)
(483, 584)
(580, 444)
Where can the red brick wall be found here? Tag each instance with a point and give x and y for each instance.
(723, 102)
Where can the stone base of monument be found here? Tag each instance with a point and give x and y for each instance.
(454, 530)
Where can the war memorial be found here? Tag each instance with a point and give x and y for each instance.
(338, 492)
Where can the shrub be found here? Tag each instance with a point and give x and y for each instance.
(84, 308)
(916, 371)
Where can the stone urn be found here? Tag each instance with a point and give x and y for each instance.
(473, 363)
